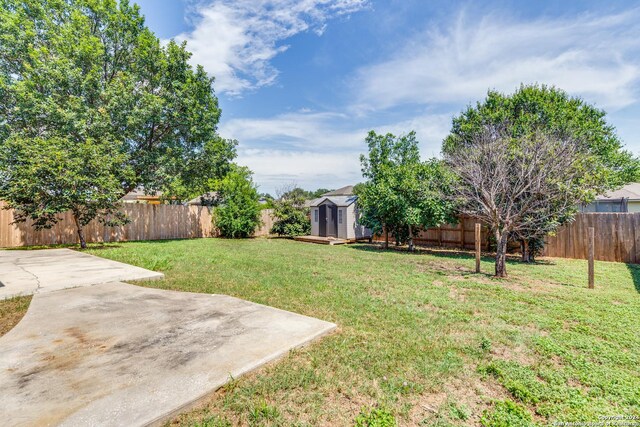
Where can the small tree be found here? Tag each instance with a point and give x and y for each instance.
(238, 211)
(42, 178)
(403, 193)
(522, 186)
(291, 215)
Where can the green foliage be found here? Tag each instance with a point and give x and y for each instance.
(506, 413)
(42, 178)
(540, 127)
(376, 417)
(91, 71)
(535, 107)
(291, 216)
(238, 212)
(402, 193)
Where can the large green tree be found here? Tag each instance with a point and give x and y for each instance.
(91, 72)
(402, 193)
(526, 161)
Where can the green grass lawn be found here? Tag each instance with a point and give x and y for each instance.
(420, 337)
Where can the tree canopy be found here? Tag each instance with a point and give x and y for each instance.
(525, 162)
(90, 74)
(402, 194)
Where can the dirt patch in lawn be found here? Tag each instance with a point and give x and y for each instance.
(460, 401)
(11, 312)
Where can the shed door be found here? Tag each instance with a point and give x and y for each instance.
(332, 222)
(322, 220)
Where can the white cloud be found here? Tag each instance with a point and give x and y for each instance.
(235, 40)
(274, 169)
(597, 57)
(319, 149)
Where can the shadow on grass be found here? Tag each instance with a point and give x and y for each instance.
(451, 253)
(634, 270)
(93, 245)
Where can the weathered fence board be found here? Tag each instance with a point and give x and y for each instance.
(147, 222)
(460, 235)
(617, 238)
(267, 223)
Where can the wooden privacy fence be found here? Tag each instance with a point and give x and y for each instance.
(148, 222)
(617, 238)
(460, 235)
(267, 223)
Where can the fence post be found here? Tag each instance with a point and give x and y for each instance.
(591, 238)
(478, 244)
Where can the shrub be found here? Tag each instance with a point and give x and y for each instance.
(238, 213)
(292, 218)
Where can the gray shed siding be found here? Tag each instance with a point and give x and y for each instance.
(315, 225)
(343, 229)
(356, 231)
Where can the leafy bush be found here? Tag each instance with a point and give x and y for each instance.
(238, 213)
(376, 417)
(292, 218)
(506, 413)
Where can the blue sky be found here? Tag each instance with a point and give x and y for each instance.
(301, 82)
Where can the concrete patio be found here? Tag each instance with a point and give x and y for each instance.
(116, 354)
(26, 272)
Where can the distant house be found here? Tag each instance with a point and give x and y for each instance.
(335, 215)
(138, 195)
(626, 199)
(206, 199)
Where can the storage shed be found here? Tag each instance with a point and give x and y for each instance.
(335, 215)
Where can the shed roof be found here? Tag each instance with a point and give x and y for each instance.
(336, 200)
(630, 191)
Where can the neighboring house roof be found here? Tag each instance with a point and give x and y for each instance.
(629, 191)
(204, 199)
(344, 191)
(138, 194)
(336, 200)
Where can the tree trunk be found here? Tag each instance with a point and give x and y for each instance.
(386, 237)
(83, 242)
(526, 255)
(501, 253)
(411, 247)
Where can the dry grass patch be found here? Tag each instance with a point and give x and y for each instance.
(12, 310)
